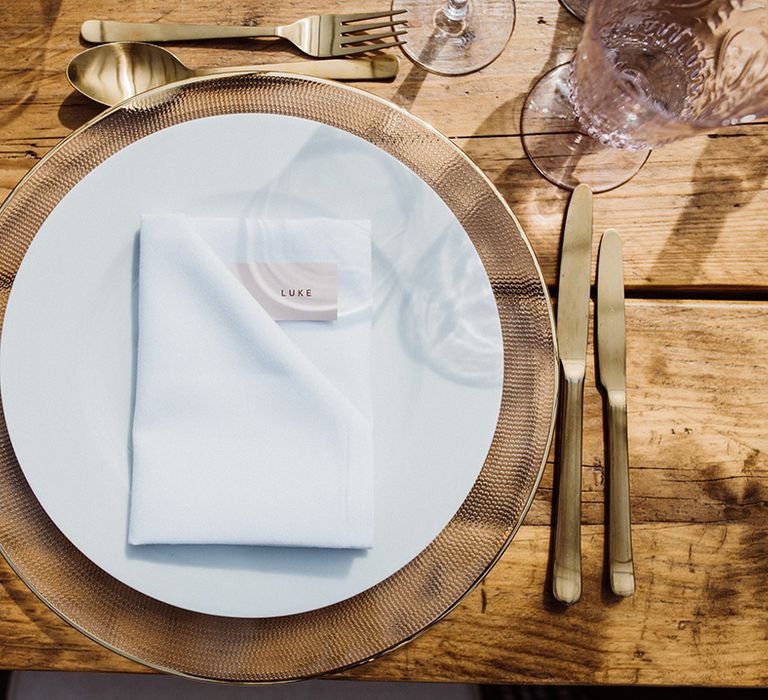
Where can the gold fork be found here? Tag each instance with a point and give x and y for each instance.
(320, 36)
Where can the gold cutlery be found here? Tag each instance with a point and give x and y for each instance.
(572, 323)
(611, 355)
(112, 73)
(320, 36)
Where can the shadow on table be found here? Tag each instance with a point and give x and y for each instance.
(77, 109)
(705, 216)
(26, 30)
(409, 89)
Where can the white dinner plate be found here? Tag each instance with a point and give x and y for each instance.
(69, 340)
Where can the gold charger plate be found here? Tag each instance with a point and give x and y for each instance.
(395, 610)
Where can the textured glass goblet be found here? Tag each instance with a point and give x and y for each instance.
(646, 72)
(453, 37)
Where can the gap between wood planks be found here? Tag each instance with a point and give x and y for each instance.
(716, 135)
(683, 293)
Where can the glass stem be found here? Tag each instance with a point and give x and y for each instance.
(455, 9)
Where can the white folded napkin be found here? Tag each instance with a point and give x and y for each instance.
(247, 430)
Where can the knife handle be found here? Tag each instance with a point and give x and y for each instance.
(566, 572)
(622, 573)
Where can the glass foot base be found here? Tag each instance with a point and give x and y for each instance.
(560, 151)
(578, 8)
(455, 47)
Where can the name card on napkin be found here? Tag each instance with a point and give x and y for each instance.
(292, 291)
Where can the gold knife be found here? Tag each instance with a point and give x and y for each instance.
(611, 358)
(572, 323)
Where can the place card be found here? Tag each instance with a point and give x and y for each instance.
(292, 291)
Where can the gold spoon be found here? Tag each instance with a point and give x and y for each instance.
(111, 73)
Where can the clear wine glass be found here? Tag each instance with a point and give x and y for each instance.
(578, 8)
(456, 36)
(646, 72)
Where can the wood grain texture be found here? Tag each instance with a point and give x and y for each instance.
(693, 221)
(687, 624)
(695, 218)
(697, 444)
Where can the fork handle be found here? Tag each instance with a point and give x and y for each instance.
(381, 67)
(99, 31)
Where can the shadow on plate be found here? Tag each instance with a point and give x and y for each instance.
(327, 563)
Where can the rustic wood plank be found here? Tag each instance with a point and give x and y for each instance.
(699, 478)
(698, 617)
(694, 218)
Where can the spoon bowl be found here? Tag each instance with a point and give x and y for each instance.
(111, 73)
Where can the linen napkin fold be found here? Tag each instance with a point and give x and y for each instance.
(247, 430)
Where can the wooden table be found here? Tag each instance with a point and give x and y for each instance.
(695, 234)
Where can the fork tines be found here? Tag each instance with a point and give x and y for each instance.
(352, 28)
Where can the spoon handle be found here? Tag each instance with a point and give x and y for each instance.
(377, 68)
(102, 31)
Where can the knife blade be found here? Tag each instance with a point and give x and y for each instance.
(612, 366)
(572, 324)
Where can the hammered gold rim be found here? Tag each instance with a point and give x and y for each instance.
(393, 612)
